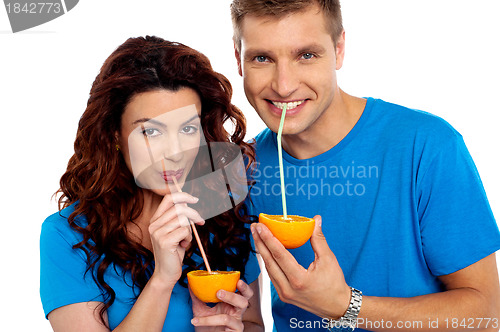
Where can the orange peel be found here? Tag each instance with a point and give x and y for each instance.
(291, 232)
(205, 285)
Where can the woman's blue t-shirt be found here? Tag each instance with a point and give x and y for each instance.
(63, 279)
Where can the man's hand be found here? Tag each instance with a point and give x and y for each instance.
(321, 289)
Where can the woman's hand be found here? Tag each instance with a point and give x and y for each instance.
(224, 316)
(170, 234)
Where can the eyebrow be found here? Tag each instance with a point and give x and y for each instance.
(192, 118)
(252, 53)
(159, 123)
(316, 48)
(142, 120)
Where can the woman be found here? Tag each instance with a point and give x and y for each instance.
(116, 255)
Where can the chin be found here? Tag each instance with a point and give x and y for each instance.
(155, 187)
(291, 127)
(160, 192)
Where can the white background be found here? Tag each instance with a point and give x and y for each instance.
(439, 56)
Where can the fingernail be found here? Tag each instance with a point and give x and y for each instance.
(195, 199)
(194, 321)
(252, 229)
(259, 229)
(220, 294)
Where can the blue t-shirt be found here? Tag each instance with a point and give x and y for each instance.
(63, 280)
(401, 201)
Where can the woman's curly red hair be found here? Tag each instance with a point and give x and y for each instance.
(97, 175)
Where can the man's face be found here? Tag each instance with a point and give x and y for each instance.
(290, 60)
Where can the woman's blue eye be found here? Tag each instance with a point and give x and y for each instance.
(189, 130)
(151, 132)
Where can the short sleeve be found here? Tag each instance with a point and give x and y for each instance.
(456, 222)
(62, 269)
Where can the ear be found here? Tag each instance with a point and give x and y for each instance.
(238, 58)
(117, 137)
(340, 50)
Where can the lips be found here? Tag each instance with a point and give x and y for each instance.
(293, 107)
(169, 175)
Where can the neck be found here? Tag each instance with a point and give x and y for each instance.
(151, 202)
(138, 230)
(328, 130)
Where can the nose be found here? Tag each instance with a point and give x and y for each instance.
(285, 81)
(173, 149)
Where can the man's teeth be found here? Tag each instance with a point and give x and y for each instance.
(289, 106)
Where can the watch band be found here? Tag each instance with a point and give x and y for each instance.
(349, 321)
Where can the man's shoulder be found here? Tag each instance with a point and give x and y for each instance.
(264, 136)
(406, 120)
(265, 140)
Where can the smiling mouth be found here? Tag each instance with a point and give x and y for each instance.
(289, 105)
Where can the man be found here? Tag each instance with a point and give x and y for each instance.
(404, 235)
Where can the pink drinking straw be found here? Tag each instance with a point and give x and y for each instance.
(198, 240)
(192, 226)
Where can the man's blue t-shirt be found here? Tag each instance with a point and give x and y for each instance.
(401, 201)
(63, 279)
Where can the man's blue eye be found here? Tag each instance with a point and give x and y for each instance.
(260, 58)
(307, 56)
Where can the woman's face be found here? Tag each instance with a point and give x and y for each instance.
(160, 136)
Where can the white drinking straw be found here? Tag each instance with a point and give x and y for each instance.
(280, 159)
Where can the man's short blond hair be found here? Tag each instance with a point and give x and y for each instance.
(280, 8)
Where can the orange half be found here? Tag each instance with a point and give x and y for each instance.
(205, 285)
(292, 232)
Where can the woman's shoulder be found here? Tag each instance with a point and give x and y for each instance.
(57, 225)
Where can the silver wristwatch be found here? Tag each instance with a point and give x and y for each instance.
(349, 321)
